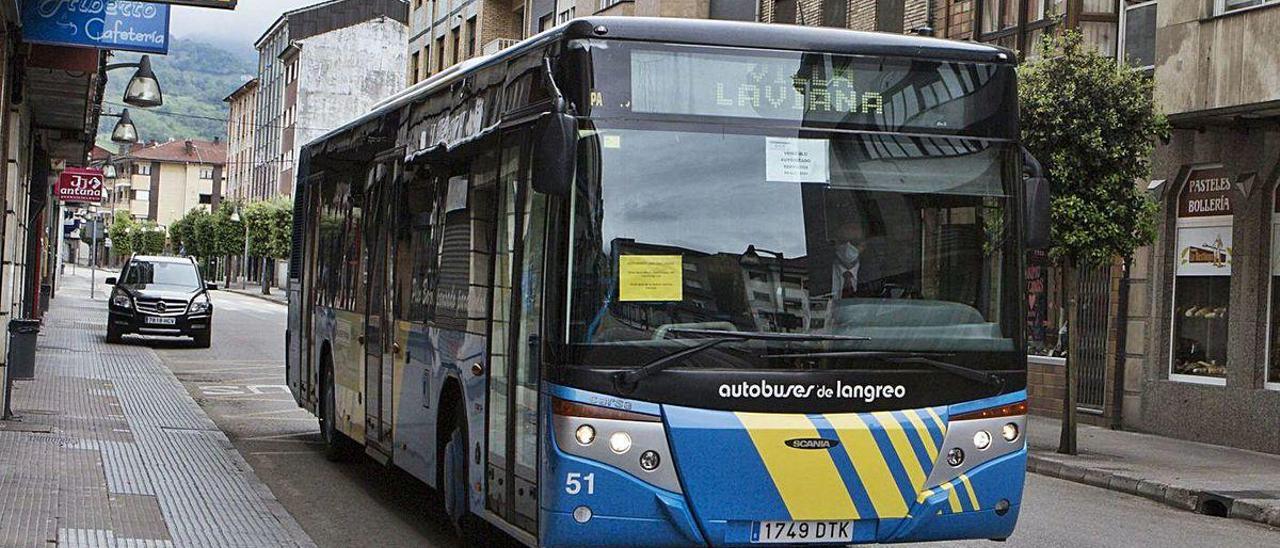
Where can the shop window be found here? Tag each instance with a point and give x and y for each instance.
(1046, 326)
(1202, 278)
(1138, 34)
(1273, 340)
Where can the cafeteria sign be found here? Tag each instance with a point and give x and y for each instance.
(106, 24)
(81, 185)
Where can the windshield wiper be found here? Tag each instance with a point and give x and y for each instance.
(907, 358)
(766, 336)
(626, 381)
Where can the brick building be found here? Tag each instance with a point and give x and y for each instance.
(445, 32)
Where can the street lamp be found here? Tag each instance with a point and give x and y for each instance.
(124, 132)
(144, 89)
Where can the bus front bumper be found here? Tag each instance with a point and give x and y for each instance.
(618, 507)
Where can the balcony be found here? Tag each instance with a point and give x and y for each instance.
(498, 44)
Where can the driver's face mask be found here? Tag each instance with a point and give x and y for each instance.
(847, 255)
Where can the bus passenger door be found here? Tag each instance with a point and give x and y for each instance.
(515, 339)
(377, 330)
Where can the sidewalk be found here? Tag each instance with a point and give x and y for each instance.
(255, 290)
(1205, 478)
(110, 450)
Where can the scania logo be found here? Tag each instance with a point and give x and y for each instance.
(812, 443)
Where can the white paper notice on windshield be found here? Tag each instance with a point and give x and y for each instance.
(791, 160)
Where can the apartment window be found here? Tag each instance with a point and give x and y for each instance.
(142, 169)
(784, 11)
(206, 198)
(835, 13)
(605, 4)
(1225, 6)
(206, 173)
(1138, 37)
(546, 21)
(414, 62)
(471, 37)
(440, 53)
(998, 15)
(566, 15)
(142, 195)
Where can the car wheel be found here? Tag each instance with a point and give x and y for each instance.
(203, 338)
(114, 335)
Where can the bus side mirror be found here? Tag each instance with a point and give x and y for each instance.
(555, 153)
(1036, 212)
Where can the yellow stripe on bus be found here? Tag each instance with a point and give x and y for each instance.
(868, 461)
(808, 480)
(942, 428)
(952, 498)
(973, 497)
(923, 432)
(902, 446)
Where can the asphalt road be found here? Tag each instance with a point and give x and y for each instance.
(240, 383)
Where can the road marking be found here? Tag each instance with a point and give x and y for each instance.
(243, 390)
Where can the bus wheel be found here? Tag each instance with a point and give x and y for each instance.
(335, 444)
(454, 485)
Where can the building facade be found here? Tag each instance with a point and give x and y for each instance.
(50, 105)
(161, 182)
(242, 110)
(1205, 320)
(446, 32)
(319, 67)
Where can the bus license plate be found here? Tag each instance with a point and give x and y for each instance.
(784, 532)
(161, 321)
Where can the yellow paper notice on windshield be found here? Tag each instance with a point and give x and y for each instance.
(650, 278)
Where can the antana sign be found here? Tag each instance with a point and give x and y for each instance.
(81, 185)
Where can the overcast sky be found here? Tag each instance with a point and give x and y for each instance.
(241, 26)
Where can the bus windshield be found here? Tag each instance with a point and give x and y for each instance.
(890, 243)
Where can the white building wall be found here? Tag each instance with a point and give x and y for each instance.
(343, 73)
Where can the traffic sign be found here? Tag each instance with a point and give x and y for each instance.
(81, 185)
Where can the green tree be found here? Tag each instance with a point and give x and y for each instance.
(270, 234)
(119, 232)
(1092, 123)
(147, 238)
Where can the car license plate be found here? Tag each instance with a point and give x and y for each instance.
(161, 321)
(788, 532)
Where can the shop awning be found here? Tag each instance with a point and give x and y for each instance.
(64, 91)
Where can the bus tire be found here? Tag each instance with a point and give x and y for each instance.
(336, 445)
(455, 476)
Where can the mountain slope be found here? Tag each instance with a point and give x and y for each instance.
(194, 77)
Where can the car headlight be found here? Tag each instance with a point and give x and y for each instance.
(122, 300)
(200, 304)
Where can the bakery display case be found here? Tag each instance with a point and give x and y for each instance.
(1201, 310)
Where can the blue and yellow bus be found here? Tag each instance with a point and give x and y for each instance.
(671, 282)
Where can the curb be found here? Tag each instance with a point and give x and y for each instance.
(270, 298)
(1180, 497)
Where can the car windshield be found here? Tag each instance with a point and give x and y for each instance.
(878, 242)
(181, 275)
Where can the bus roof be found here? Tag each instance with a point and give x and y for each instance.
(703, 32)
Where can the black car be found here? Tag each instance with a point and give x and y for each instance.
(160, 296)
